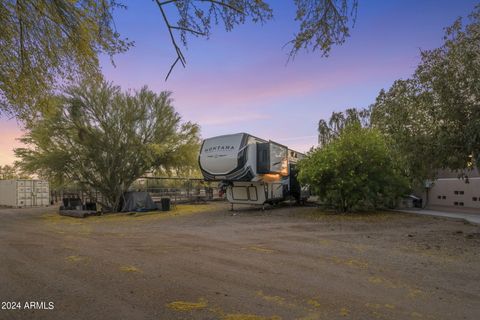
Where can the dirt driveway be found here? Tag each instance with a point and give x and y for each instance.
(201, 262)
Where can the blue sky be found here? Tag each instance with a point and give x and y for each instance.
(240, 81)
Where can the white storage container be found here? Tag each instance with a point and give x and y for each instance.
(24, 193)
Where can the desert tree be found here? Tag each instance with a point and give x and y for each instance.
(98, 137)
(44, 44)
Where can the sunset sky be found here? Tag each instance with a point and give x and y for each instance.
(241, 81)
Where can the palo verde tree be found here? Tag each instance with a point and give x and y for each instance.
(101, 138)
(354, 171)
(45, 44)
(433, 119)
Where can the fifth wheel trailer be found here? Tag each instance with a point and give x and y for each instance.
(254, 170)
(24, 193)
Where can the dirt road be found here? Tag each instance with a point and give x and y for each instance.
(201, 262)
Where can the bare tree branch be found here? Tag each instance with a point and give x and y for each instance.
(197, 20)
(171, 68)
(167, 2)
(180, 55)
(189, 30)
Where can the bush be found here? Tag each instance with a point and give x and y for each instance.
(354, 171)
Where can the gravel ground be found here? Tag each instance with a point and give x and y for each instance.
(202, 262)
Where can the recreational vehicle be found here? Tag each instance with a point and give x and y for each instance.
(253, 170)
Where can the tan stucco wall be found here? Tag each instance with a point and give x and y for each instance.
(448, 191)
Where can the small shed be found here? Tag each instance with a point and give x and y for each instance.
(24, 193)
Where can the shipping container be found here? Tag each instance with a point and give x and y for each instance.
(24, 193)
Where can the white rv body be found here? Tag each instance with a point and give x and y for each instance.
(255, 171)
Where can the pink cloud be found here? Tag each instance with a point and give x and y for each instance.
(242, 92)
(263, 85)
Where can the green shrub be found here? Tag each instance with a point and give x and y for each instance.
(354, 171)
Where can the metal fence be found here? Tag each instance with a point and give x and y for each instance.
(179, 190)
(66, 196)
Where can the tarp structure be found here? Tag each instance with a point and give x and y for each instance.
(138, 201)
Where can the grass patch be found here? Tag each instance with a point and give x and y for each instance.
(178, 211)
(261, 249)
(344, 312)
(187, 306)
(75, 259)
(244, 316)
(129, 269)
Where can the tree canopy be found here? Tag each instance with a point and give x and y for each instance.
(47, 44)
(433, 118)
(44, 44)
(354, 171)
(331, 129)
(101, 138)
(10, 172)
